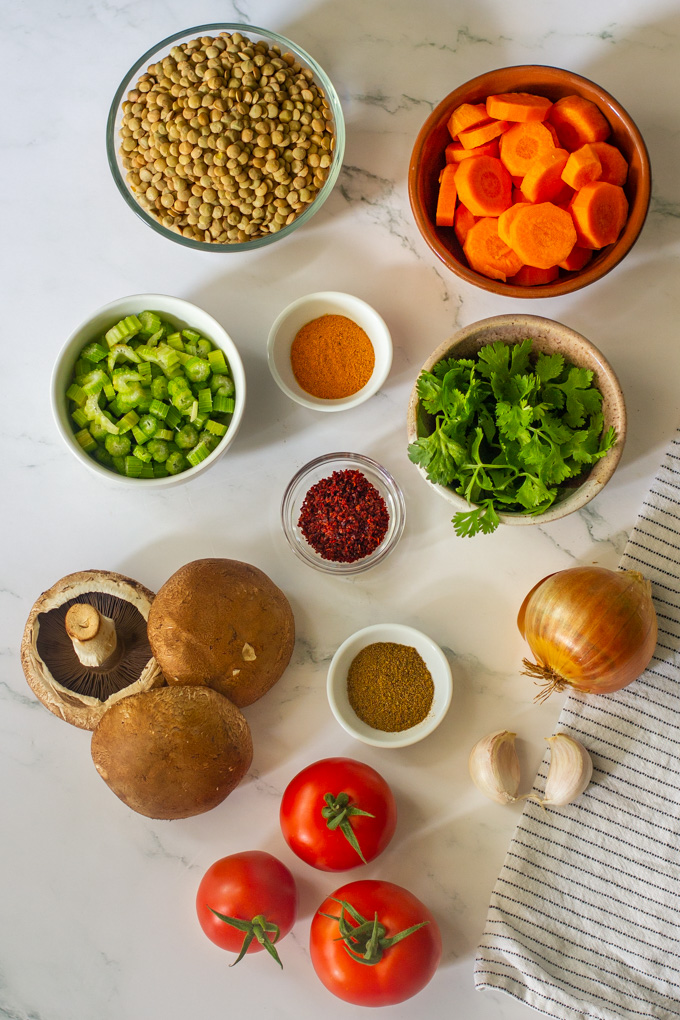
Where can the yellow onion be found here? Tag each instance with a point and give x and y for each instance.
(589, 628)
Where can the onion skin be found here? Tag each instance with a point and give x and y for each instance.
(589, 628)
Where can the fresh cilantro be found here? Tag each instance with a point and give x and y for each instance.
(506, 431)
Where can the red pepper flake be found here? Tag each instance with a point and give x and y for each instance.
(344, 517)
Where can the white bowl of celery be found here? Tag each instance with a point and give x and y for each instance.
(150, 389)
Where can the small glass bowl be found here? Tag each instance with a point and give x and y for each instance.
(161, 50)
(323, 467)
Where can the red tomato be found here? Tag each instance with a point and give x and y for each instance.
(307, 831)
(244, 886)
(404, 969)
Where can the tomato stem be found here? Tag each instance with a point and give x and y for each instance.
(258, 928)
(366, 941)
(338, 812)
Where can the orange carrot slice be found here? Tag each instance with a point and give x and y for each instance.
(484, 185)
(577, 258)
(478, 135)
(542, 234)
(462, 221)
(582, 167)
(505, 219)
(465, 116)
(599, 212)
(578, 121)
(446, 199)
(518, 106)
(455, 152)
(522, 144)
(613, 163)
(487, 253)
(532, 276)
(543, 180)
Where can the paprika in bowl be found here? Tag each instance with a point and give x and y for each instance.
(343, 513)
(329, 351)
(389, 685)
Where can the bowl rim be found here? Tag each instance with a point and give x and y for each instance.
(600, 473)
(379, 472)
(330, 95)
(566, 285)
(402, 634)
(381, 369)
(57, 397)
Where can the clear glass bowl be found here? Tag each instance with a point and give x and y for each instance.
(162, 49)
(323, 467)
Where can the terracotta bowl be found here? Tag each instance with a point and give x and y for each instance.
(548, 336)
(427, 160)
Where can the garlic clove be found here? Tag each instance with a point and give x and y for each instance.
(570, 771)
(494, 766)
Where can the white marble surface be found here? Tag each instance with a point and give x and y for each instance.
(97, 916)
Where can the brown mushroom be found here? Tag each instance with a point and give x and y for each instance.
(225, 624)
(172, 752)
(85, 645)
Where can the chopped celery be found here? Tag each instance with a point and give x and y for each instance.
(204, 400)
(199, 453)
(163, 405)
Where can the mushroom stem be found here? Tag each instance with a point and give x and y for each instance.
(93, 634)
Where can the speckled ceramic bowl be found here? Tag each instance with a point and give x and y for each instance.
(547, 336)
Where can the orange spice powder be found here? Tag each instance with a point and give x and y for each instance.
(332, 357)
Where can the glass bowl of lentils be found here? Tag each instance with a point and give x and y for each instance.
(343, 513)
(225, 137)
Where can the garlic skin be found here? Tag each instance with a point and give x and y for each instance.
(494, 766)
(570, 771)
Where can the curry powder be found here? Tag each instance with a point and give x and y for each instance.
(332, 357)
(389, 686)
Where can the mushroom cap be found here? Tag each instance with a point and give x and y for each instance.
(78, 708)
(224, 624)
(172, 752)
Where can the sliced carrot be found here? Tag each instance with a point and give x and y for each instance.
(518, 106)
(462, 221)
(564, 196)
(577, 258)
(599, 212)
(478, 135)
(578, 121)
(446, 199)
(517, 195)
(484, 185)
(582, 167)
(613, 162)
(487, 253)
(532, 276)
(455, 152)
(551, 129)
(465, 116)
(505, 219)
(543, 180)
(521, 144)
(542, 234)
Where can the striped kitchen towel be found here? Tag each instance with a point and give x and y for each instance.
(584, 919)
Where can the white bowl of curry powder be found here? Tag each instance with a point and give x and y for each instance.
(389, 685)
(329, 351)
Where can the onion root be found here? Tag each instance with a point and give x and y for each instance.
(550, 679)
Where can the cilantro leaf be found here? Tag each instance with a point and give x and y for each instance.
(549, 366)
(483, 518)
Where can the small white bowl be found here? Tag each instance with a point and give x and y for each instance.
(184, 315)
(434, 659)
(310, 307)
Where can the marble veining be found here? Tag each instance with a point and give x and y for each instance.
(97, 902)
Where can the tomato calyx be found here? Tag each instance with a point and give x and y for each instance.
(338, 812)
(259, 928)
(366, 941)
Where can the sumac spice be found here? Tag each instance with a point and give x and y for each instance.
(389, 686)
(344, 517)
